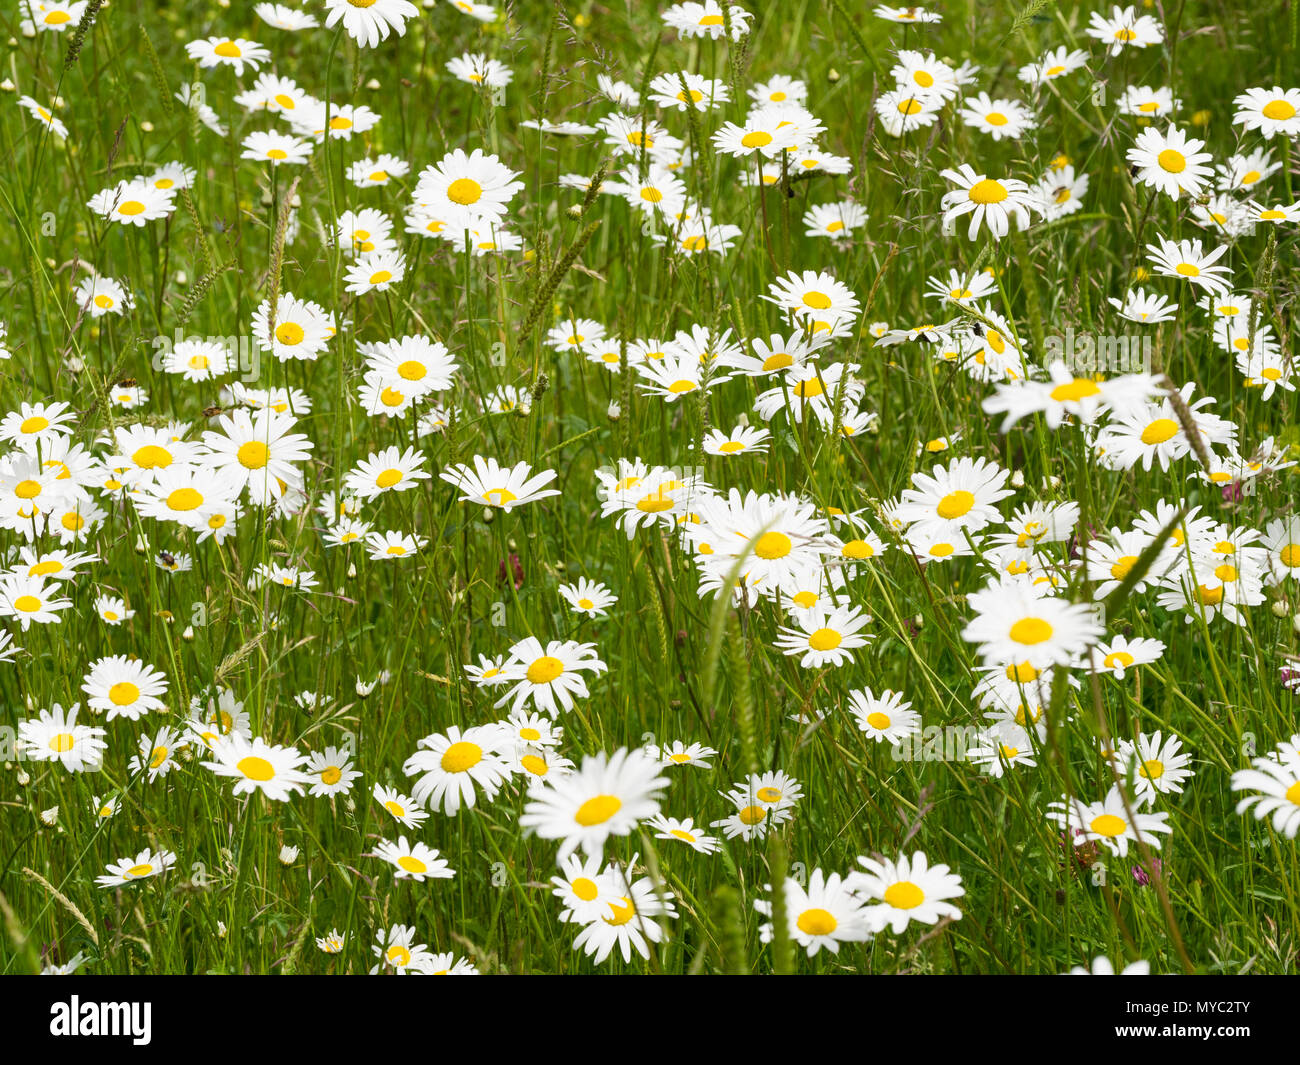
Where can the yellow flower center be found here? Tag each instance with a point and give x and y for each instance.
(598, 810)
(253, 455)
(1107, 825)
(461, 756)
(817, 922)
(825, 640)
(1159, 431)
(1171, 161)
(987, 191)
(857, 549)
(1031, 631)
(544, 670)
(255, 768)
(123, 693)
(1152, 769)
(184, 499)
(904, 895)
(955, 504)
(464, 191)
(1079, 388)
(773, 545)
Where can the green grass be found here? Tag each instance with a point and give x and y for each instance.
(679, 667)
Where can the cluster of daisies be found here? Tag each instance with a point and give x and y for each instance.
(802, 567)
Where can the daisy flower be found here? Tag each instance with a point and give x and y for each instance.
(390, 470)
(996, 203)
(678, 753)
(375, 271)
(1185, 259)
(1269, 111)
(397, 951)
(133, 203)
(381, 170)
(825, 914)
(227, 51)
(1002, 747)
(1124, 28)
(331, 771)
(1000, 119)
(302, 329)
(370, 21)
(708, 19)
(551, 676)
(884, 716)
(55, 736)
(283, 17)
(627, 925)
(145, 864)
(258, 766)
(403, 807)
(413, 861)
(1121, 653)
(1170, 162)
(814, 299)
(1275, 779)
(742, 439)
(961, 495)
(1107, 822)
(30, 600)
(44, 115)
(671, 828)
(825, 636)
(492, 485)
(275, 147)
(608, 795)
(1054, 64)
(1160, 766)
(1101, 966)
(905, 109)
(463, 189)
(587, 597)
(1146, 101)
(124, 687)
(1147, 308)
(906, 15)
(454, 766)
(905, 890)
(1017, 622)
(759, 134)
(584, 890)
